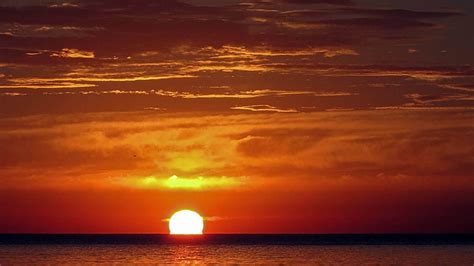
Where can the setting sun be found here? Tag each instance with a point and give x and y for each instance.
(186, 222)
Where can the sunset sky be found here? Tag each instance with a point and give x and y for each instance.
(265, 116)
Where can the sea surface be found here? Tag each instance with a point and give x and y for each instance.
(237, 249)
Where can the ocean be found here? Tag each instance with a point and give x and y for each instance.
(238, 249)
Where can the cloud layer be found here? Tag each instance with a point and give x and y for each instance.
(279, 115)
(285, 53)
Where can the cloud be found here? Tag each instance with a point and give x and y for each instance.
(429, 100)
(230, 94)
(154, 109)
(425, 107)
(309, 2)
(280, 141)
(238, 95)
(69, 82)
(73, 53)
(236, 25)
(143, 149)
(46, 31)
(263, 108)
(459, 87)
(64, 5)
(12, 94)
(401, 13)
(28, 84)
(430, 73)
(247, 94)
(376, 23)
(242, 52)
(48, 45)
(177, 183)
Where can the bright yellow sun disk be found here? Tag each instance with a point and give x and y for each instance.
(186, 222)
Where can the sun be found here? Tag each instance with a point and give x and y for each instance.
(186, 222)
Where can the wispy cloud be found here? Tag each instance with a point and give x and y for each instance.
(29, 84)
(263, 108)
(73, 53)
(179, 183)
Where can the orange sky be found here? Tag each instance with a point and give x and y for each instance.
(280, 116)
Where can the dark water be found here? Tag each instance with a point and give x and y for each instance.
(238, 249)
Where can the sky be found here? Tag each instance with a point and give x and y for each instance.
(265, 116)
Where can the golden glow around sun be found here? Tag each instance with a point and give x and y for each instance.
(186, 222)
